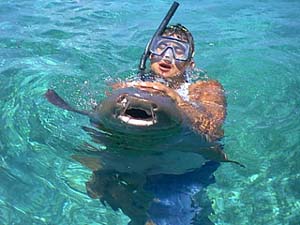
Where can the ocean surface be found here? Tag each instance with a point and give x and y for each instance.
(78, 47)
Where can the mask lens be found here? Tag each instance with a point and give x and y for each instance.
(161, 44)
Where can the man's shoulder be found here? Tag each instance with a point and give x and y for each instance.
(206, 85)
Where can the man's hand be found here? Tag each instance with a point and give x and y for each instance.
(118, 85)
(156, 87)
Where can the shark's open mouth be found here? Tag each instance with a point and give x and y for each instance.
(137, 111)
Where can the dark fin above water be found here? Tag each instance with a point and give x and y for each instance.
(216, 153)
(56, 100)
(235, 162)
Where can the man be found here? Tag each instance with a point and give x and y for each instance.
(171, 59)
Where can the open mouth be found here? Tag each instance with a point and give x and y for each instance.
(136, 111)
(165, 67)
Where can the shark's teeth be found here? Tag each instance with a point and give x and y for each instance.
(136, 122)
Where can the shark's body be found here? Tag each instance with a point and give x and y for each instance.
(145, 136)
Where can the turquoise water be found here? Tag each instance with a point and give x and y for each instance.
(78, 47)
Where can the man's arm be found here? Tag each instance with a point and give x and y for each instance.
(206, 108)
(209, 95)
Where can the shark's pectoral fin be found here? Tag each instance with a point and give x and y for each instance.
(236, 162)
(216, 153)
(56, 100)
(92, 163)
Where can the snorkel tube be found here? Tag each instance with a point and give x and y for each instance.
(159, 31)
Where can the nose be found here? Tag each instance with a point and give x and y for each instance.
(168, 55)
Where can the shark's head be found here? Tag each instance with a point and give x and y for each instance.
(135, 110)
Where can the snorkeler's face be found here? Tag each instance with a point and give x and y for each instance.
(167, 64)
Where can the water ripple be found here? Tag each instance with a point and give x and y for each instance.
(76, 47)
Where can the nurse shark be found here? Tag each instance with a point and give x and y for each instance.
(145, 134)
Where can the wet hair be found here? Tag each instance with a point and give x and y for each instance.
(182, 33)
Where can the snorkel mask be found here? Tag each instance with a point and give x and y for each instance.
(181, 50)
